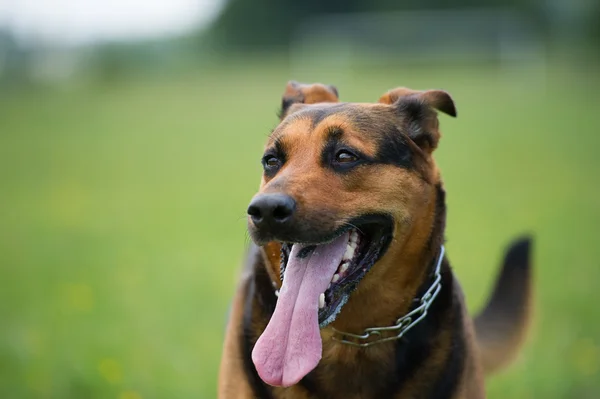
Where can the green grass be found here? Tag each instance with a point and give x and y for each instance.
(122, 220)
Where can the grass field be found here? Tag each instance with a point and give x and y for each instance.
(122, 220)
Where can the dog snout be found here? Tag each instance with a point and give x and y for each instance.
(270, 211)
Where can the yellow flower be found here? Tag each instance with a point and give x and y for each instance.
(129, 395)
(79, 297)
(586, 357)
(111, 370)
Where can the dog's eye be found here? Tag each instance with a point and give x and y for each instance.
(271, 163)
(345, 157)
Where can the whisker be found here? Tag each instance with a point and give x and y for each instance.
(354, 226)
(247, 238)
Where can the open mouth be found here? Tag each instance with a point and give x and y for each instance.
(317, 280)
(365, 245)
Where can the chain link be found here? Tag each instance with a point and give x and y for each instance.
(404, 323)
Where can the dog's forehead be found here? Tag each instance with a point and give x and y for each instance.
(366, 119)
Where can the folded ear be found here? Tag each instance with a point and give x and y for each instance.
(438, 99)
(300, 93)
(415, 110)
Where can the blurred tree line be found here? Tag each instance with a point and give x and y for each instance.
(247, 24)
(270, 25)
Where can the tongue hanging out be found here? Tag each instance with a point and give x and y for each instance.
(290, 347)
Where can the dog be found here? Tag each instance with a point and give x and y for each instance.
(347, 291)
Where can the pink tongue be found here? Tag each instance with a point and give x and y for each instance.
(290, 347)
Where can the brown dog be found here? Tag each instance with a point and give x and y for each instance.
(347, 292)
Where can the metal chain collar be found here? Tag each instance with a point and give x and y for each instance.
(404, 323)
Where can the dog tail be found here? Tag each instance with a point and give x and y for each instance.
(502, 325)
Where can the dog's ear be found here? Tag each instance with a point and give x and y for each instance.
(415, 108)
(300, 93)
(438, 99)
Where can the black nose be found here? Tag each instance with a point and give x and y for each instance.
(271, 209)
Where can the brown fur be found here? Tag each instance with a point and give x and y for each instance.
(412, 196)
(232, 365)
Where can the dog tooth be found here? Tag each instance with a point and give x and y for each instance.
(277, 293)
(343, 267)
(335, 278)
(322, 300)
(349, 253)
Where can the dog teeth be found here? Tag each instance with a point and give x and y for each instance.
(335, 278)
(349, 252)
(322, 300)
(343, 267)
(354, 236)
(277, 293)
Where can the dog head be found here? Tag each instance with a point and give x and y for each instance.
(361, 171)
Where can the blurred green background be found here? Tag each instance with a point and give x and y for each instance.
(125, 173)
